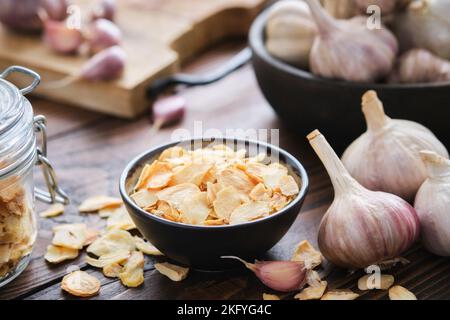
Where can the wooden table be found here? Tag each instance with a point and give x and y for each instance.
(90, 150)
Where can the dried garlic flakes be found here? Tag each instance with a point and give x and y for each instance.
(112, 241)
(146, 247)
(118, 256)
(120, 219)
(57, 254)
(375, 281)
(97, 203)
(312, 293)
(132, 274)
(173, 272)
(71, 236)
(401, 293)
(344, 294)
(112, 270)
(267, 296)
(306, 253)
(213, 186)
(80, 284)
(53, 211)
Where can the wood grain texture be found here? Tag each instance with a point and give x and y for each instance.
(90, 151)
(158, 36)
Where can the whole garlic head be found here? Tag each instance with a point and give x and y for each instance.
(290, 32)
(348, 50)
(386, 157)
(433, 202)
(425, 24)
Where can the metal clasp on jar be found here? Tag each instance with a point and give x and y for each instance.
(54, 193)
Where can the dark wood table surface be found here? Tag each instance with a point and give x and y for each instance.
(89, 151)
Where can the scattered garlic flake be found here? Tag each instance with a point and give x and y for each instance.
(375, 281)
(53, 211)
(344, 294)
(306, 253)
(267, 296)
(401, 293)
(173, 272)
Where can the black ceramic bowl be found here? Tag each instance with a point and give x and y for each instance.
(200, 247)
(306, 102)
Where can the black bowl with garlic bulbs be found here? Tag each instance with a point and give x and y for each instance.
(318, 81)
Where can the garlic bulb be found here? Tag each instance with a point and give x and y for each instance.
(284, 276)
(290, 32)
(348, 50)
(425, 24)
(433, 203)
(420, 66)
(361, 227)
(340, 9)
(386, 6)
(386, 157)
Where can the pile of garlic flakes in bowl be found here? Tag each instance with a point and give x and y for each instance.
(213, 186)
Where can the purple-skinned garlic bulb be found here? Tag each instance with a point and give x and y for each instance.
(361, 227)
(349, 50)
(386, 157)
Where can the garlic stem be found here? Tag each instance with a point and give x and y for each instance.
(249, 265)
(340, 178)
(325, 23)
(437, 166)
(373, 111)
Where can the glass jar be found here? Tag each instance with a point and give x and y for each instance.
(19, 153)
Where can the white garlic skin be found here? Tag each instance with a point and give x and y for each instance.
(425, 24)
(348, 50)
(432, 205)
(386, 157)
(290, 32)
(340, 9)
(367, 227)
(386, 6)
(421, 66)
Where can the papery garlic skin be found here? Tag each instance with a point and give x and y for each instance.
(340, 9)
(386, 6)
(290, 32)
(421, 66)
(361, 227)
(348, 50)
(433, 204)
(386, 157)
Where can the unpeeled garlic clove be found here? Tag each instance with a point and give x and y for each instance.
(60, 38)
(290, 32)
(433, 202)
(102, 34)
(361, 227)
(55, 9)
(284, 276)
(348, 50)
(105, 9)
(386, 157)
(421, 66)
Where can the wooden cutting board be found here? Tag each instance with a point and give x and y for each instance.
(159, 35)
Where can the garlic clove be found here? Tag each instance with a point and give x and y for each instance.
(105, 65)
(348, 50)
(386, 157)
(290, 32)
(420, 66)
(432, 203)
(60, 38)
(361, 227)
(105, 9)
(102, 34)
(55, 9)
(386, 6)
(284, 276)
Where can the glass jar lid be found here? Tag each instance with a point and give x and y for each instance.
(10, 112)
